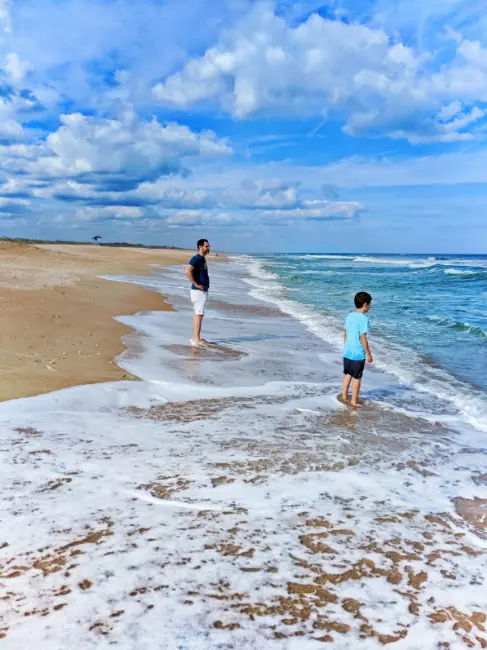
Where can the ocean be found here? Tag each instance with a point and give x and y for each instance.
(429, 315)
(228, 501)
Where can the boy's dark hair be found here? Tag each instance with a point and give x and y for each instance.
(200, 243)
(362, 298)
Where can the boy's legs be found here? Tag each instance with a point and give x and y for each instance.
(346, 384)
(355, 391)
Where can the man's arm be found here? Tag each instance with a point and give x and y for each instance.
(189, 273)
(365, 343)
(345, 336)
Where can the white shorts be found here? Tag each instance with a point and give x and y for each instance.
(199, 298)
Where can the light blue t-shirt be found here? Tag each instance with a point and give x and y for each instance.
(356, 324)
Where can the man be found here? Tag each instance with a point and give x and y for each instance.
(197, 274)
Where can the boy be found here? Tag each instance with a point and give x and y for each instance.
(356, 346)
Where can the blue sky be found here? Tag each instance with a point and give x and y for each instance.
(339, 126)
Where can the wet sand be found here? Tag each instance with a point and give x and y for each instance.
(277, 518)
(57, 322)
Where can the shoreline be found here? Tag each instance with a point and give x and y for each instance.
(231, 491)
(57, 320)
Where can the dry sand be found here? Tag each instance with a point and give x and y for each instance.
(56, 314)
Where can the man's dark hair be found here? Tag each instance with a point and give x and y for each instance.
(362, 298)
(200, 243)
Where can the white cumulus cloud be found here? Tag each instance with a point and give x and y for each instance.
(109, 212)
(5, 6)
(201, 218)
(317, 210)
(113, 154)
(348, 71)
(16, 69)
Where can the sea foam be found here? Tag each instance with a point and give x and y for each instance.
(228, 499)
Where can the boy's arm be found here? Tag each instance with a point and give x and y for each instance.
(345, 336)
(365, 343)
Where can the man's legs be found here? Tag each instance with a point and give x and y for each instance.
(198, 298)
(346, 384)
(197, 321)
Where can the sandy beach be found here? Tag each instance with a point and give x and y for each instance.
(227, 499)
(57, 326)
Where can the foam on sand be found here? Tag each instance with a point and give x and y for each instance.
(236, 504)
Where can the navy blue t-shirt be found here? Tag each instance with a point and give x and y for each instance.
(200, 273)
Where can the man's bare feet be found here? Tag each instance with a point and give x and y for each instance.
(199, 344)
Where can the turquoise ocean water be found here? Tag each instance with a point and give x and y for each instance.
(428, 319)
